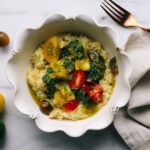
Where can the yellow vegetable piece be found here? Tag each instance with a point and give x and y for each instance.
(2, 103)
(52, 50)
(59, 99)
(59, 70)
(65, 91)
(82, 65)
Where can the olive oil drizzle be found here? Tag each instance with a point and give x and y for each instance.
(32, 93)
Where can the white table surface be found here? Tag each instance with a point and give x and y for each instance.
(15, 15)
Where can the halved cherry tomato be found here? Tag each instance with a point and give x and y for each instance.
(78, 79)
(71, 105)
(87, 87)
(94, 91)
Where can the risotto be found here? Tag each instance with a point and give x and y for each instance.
(72, 77)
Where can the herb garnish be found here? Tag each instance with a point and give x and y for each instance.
(97, 70)
(65, 52)
(73, 48)
(50, 70)
(83, 97)
(46, 78)
(50, 83)
(68, 64)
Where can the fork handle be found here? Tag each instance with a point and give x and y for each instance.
(146, 29)
(143, 27)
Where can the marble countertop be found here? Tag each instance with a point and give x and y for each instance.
(22, 134)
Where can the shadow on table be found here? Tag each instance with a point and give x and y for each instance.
(29, 137)
(3, 138)
(93, 140)
(2, 141)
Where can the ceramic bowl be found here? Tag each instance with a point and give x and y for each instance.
(27, 43)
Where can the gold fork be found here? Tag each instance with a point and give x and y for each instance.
(120, 15)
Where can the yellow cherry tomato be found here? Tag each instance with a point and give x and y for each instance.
(2, 103)
(52, 50)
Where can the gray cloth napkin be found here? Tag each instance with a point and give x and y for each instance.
(133, 121)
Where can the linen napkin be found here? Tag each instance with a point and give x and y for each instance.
(133, 121)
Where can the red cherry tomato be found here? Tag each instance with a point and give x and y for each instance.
(87, 87)
(94, 91)
(78, 79)
(71, 105)
(97, 96)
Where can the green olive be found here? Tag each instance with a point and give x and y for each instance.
(93, 55)
(4, 39)
(45, 107)
(113, 66)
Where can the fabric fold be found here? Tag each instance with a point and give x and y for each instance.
(133, 122)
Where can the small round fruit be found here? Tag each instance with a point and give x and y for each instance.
(71, 105)
(2, 129)
(4, 39)
(45, 107)
(2, 103)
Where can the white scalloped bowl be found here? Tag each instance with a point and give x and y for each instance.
(28, 41)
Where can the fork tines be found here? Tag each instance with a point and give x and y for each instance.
(116, 12)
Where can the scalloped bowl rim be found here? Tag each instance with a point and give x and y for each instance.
(72, 133)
